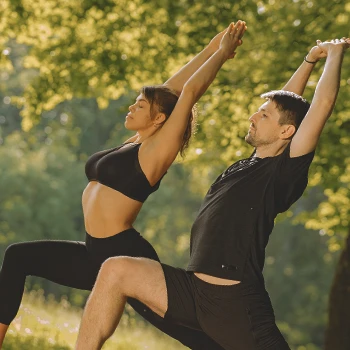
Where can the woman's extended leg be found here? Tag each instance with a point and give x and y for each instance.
(69, 263)
(63, 262)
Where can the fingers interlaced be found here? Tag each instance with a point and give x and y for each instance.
(336, 41)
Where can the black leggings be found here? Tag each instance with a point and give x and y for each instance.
(76, 264)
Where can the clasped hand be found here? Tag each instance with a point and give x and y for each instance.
(338, 44)
(322, 48)
(232, 38)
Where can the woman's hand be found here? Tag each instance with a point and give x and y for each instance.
(215, 42)
(232, 38)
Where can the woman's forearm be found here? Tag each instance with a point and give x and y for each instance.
(203, 77)
(178, 80)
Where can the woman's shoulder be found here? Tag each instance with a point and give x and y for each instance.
(131, 139)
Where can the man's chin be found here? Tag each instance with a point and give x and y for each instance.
(249, 140)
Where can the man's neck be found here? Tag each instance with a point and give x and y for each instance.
(271, 150)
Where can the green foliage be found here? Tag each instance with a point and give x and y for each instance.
(69, 67)
(104, 49)
(167, 217)
(298, 274)
(39, 187)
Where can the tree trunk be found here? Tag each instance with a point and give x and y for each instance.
(338, 329)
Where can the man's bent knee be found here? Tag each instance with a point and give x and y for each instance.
(121, 271)
(115, 269)
(138, 278)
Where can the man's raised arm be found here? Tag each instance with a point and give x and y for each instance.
(300, 78)
(306, 137)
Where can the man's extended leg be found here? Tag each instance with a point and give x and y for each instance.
(144, 281)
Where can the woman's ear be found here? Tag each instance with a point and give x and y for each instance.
(159, 119)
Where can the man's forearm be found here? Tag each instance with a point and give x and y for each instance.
(298, 81)
(178, 80)
(328, 85)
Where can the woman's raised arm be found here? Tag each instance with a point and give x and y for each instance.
(178, 80)
(166, 142)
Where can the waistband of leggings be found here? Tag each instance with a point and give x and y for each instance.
(126, 234)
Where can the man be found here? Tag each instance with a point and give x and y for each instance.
(222, 291)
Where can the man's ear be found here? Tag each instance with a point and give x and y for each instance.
(287, 131)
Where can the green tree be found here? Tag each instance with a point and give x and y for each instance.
(33, 199)
(105, 49)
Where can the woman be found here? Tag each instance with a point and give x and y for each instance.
(120, 180)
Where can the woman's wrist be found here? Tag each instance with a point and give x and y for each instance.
(222, 53)
(210, 50)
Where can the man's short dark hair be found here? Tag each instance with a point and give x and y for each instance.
(293, 107)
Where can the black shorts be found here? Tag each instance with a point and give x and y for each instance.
(238, 317)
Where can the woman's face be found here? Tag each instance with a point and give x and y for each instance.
(139, 116)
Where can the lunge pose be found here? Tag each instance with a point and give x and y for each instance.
(120, 180)
(222, 291)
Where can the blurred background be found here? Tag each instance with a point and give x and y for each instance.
(68, 72)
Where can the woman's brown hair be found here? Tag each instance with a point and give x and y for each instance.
(163, 100)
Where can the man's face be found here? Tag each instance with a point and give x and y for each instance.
(264, 126)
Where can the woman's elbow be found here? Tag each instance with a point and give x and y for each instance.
(191, 89)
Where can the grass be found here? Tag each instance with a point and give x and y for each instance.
(43, 324)
(47, 324)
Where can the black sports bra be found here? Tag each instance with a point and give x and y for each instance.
(119, 168)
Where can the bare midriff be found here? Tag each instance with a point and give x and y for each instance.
(216, 280)
(107, 211)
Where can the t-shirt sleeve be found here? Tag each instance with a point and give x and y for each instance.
(291, 178)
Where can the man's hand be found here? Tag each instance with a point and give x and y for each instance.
(232, 38)
(315, 54)
(215, 42)
(336, 45)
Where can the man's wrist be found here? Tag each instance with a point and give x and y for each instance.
(309, 58)
(335, 51)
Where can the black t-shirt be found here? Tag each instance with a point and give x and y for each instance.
(232, 229)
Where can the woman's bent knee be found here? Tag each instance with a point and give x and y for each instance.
(12, 253)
